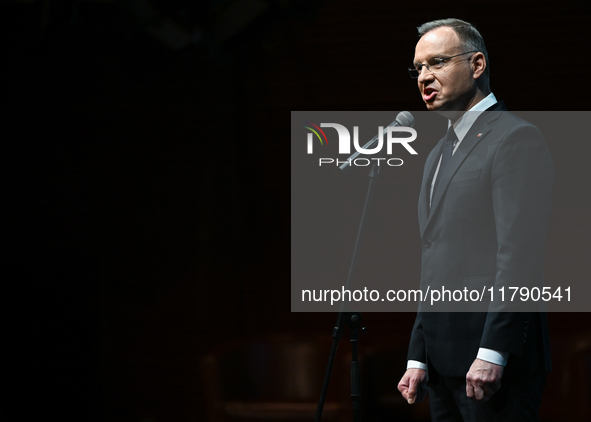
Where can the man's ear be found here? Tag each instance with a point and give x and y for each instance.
(478, 64)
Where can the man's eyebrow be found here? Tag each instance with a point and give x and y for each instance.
(428, 60)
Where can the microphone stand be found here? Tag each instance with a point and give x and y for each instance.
(352, 319)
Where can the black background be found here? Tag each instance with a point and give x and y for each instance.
(147, 186)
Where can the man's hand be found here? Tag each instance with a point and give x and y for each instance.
(412, 385)
(483, 380)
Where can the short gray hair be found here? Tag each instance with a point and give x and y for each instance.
(469, 36)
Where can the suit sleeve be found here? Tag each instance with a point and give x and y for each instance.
(416, 348)
(521, 184)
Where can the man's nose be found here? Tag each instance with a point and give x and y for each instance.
(425, 75)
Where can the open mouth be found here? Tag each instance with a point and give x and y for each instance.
(429, 94)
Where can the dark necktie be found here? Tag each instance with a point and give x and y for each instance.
(447, 149)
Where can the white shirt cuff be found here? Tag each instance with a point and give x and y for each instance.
(416, 364)
(493, 356)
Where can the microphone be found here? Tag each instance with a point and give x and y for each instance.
(404, 118)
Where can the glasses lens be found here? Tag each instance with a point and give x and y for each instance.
(414, 73)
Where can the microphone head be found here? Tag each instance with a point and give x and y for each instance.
(405, 119)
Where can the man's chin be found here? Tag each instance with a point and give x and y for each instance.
(442, 109)
(432, 105)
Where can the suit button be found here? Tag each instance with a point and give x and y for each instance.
(428, 243)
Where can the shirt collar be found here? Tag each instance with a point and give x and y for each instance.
(465, 122)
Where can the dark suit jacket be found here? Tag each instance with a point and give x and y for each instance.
(487, 225)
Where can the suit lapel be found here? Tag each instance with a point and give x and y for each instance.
(428, 173)
(475, 135)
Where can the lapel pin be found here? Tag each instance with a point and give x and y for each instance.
(479, 135)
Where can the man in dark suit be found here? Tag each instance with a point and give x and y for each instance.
(484, 209)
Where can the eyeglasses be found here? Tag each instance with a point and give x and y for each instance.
(437, 64)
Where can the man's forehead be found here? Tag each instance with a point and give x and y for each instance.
(443, 41)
